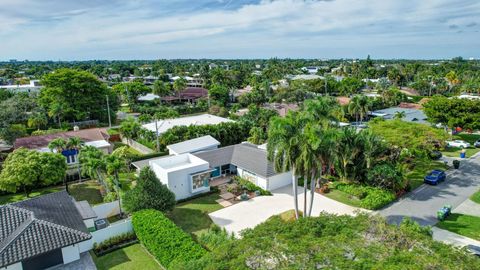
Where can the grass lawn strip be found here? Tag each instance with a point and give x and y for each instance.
(86, 191)
(131, 257)
(476, 197)
(465, 225)
(192, 216)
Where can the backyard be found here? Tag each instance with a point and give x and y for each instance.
(131, 257)
(192, 216)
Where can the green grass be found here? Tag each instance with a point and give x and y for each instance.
(476, 197)
(343, 197)
(422, 167)
(10, 198)
(192, 216)
(455, 151)
(88, 190)
(131, 257)
(126, 180)
(465, 225)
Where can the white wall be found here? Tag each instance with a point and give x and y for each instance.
(117, 228)
(257, 180)
(16, 266)
(89, 223)
(105, 210)
(279, 180)
(70, 254)
(85, 246)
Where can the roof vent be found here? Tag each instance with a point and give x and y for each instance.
(76, 128)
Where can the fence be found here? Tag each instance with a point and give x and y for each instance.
(117, 228)
(106, 210)
(138, 146)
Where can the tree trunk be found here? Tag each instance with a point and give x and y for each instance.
(305, 190)
(312, 193)
(295, 193)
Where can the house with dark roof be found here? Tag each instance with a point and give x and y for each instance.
(189, 173)
(44, 231)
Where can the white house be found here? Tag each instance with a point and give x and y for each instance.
(33, 87)
(195, 145)
(185, 175)
(197, 120)
(189, 173)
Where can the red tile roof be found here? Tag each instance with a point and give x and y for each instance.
(85, 135)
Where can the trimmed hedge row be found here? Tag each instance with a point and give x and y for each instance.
(167, 242)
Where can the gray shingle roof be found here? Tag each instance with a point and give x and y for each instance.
(244, 155)
(194, 145)
(39, 225)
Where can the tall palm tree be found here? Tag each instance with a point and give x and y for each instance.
(284, 147)
(113, 165)
(92, 161)
(58, 144)
(346, 151)
(372, 146)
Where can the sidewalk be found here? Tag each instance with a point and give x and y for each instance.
(468, 207)
(452, 238)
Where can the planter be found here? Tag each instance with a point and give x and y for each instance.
(112, 248)
(456, 164)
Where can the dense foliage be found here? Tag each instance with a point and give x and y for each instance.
(112, 243)
(75, 95)
(370, 197)
(412, 138)
(25, 170)
(149, 193)
(453, 112)
(249, 186)
(164, 240)
(335, 242)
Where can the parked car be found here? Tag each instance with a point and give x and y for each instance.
(475, 250)
(476, 143)
(458, 143)
(435, 177)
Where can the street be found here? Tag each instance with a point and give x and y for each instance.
(422, 204)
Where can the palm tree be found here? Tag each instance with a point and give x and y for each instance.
(37, 120)
(113, 165)
(399, 115)
(92, 161)
(346, 151)
(58, 144)
(284, 147)
(359, 107)
(74, 143)
(372, 146)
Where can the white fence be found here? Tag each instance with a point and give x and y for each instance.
(105, 210)
(117, 228)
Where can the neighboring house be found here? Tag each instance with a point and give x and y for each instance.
(33, 87)
(306, 77)
(148, 97)
(44, 231)
(196, 120)
(411, 115)
(468, 96)
(195, 145)
(189, 173)
(96, 137)
(189, 94)
(191, 81)
(311, 70)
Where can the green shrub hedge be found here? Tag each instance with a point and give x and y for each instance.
(114, 243)
(370, 197)
(245, 184)
(167, 242)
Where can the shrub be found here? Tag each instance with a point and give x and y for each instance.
(113, 243)
(386, 176)
(110, 197)
(355, 190)
(214, 237)
(376, 198)
(251, 187)
(164, 240)
(149, 193)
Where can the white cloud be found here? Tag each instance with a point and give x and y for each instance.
(146, 29)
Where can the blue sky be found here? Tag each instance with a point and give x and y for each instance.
(152, 29)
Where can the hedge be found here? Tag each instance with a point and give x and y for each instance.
(164, 240)
(370, 197)
(114, 243)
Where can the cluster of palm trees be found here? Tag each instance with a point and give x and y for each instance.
(310, 144)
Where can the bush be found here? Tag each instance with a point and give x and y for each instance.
(376, 198)
(355, 190)
(110, 197)
(164, 240)
(251, 187)
(149, 193)
(114, 243)
(214, 237)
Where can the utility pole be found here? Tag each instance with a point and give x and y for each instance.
(108, 111)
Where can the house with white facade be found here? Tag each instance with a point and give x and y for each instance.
(189, 172)
(195, 145)
(33, 87)
(197, 120)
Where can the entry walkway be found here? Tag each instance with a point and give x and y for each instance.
(250, 213)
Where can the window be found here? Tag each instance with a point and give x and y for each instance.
(200, 180)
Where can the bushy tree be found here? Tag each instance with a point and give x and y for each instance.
(76, 95)
(219, 94)
(149, 193)
(26, 170)
(130, 91)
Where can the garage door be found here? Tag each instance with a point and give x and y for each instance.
(44, 260)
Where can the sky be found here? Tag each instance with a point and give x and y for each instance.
(171, 29)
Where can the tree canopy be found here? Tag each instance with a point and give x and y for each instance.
(453, 112)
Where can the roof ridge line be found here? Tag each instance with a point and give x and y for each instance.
(19, 230)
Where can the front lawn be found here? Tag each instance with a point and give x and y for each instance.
(131, 257)
(86, 191)
(10, 198)
(192, 216)
(465, 225)
(421, 168)
(343, 197)
(455, 151)
(476, 197)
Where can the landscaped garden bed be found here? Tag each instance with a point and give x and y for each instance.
(362, 196)
(114, 243)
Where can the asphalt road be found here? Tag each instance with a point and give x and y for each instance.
(422, 204)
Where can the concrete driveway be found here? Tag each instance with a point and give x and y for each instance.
(250, 213)
(422, 204)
